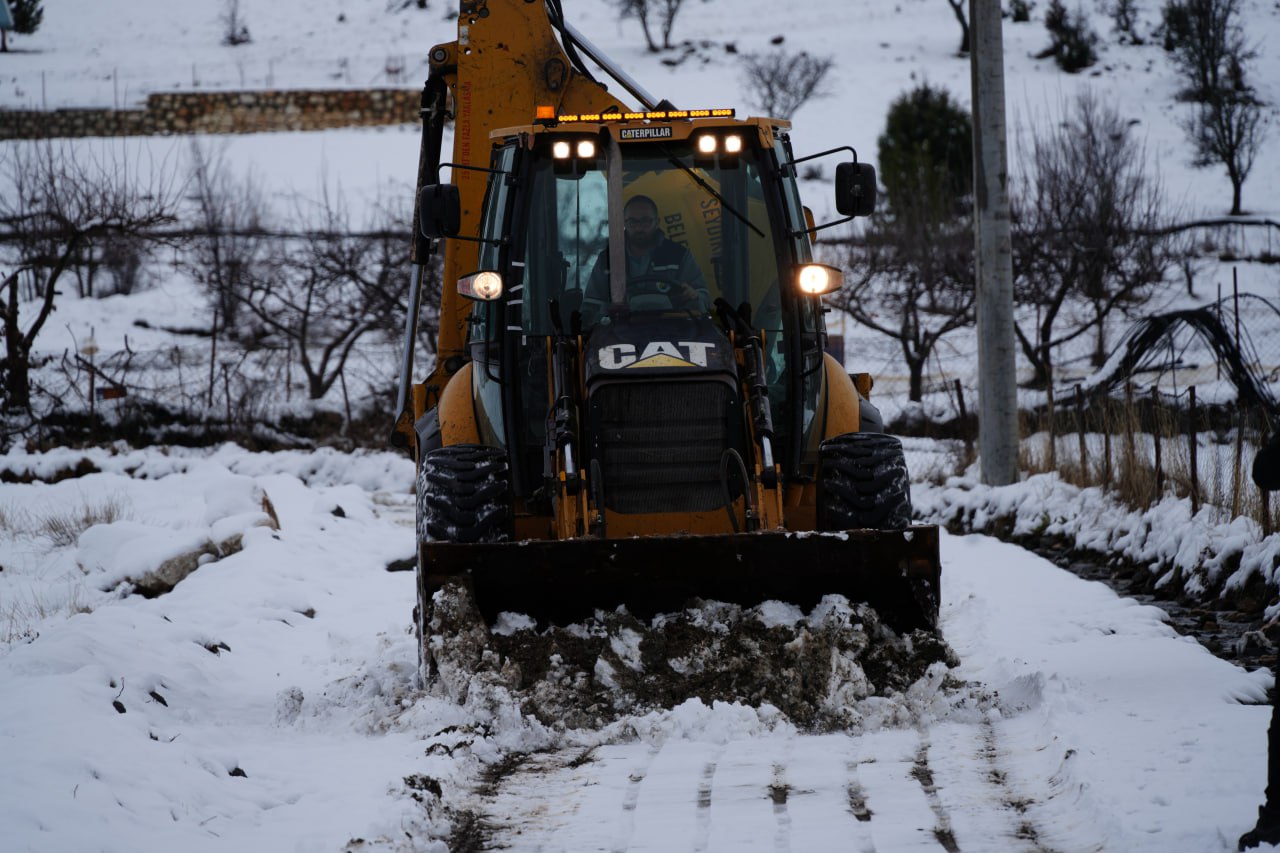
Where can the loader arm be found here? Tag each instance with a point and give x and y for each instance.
(506, 62)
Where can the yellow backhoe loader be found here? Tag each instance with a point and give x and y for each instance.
(623, 420)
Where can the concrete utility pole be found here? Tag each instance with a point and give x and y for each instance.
(997, 380)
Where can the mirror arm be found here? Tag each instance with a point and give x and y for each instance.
(848, 148)
(798, 232)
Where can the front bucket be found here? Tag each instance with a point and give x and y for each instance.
(895, 571)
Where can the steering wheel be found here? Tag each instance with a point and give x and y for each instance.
(652, 284)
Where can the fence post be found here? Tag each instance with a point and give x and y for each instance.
(1106, 441)
(1237, 479)
(1053, 430)
(1084, 456)
(213, 356)
(1191, 447)
(1155, 440)
(964, 421)
(1131, 453)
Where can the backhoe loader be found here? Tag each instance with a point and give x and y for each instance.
(598, 430)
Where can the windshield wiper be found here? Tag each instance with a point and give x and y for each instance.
(702, 182)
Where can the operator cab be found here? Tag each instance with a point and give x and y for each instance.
(653, 242)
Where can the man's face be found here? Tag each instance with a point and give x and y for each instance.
(641, 223)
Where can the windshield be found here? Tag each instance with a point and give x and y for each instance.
(693, 232)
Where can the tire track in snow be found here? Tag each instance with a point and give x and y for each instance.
(779, 790)
(922, 773)
(857, 797)
(702, 826)
(627, 822)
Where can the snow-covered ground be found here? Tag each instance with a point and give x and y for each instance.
(268, 701)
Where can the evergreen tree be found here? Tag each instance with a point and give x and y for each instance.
(27, 15)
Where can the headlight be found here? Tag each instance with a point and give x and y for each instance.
(486, 285)
(560, 150)
(707, 144)
(586, 149)
(733, 144)
(816, 279)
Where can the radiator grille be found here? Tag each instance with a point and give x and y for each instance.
(660, 444)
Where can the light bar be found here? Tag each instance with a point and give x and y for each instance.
(650, 115)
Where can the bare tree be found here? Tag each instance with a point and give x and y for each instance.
(779, 83)
(56, 199)
(913, 282)
(235, 31)
(1228, 130)
(1086, 233)
(325, 291)
(1226, 125)
(1207, 45)
(230, 238)
(665, 12)
(957, 8)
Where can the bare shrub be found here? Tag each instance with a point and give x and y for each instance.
(60, 198)
(1071, 40)
(779, 83)
(19, 617)
(235, 31)
(63, 527)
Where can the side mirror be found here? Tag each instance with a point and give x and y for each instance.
(439, 211)
(856, 189)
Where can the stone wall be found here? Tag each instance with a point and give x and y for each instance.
(221, 112)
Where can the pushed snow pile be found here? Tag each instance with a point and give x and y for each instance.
(837, 668)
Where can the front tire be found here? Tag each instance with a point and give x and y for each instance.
(863, 483)
(463, 495)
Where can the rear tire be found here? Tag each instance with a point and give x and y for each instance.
(863, 483)
(464, 495)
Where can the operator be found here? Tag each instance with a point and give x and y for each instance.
(654, 265)
(1266, 475)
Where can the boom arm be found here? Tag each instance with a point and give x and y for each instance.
(505, 63)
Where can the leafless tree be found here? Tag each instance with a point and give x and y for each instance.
(230, 238)
(957, 8)
(1210, 50)
(235, 31)
(779, 83)
(1087, 239)
(664, 13)
(325, 291)
(1207, 46)
(1124, 15)
(913, 282)
(1228, 130)
(56, 199)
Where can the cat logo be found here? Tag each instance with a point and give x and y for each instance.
(656, 354)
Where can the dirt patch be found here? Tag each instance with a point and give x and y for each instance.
(826, 670)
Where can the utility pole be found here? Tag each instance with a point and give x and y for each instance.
(997, 380)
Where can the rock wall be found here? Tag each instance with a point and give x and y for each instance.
(168, 113)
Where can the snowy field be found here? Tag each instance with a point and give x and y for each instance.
(268, 701)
